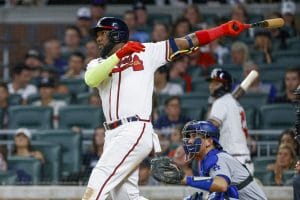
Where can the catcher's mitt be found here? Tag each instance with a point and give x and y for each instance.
(165, 170)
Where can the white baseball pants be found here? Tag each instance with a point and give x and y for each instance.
(117, 170)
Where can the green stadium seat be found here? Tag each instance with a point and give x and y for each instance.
(83, 98)
(286, 56)
(275, 73)
(195, 113)
(33, 117)
(8, 178)
(293, 43)
(276, 116)
(83, 116)
(250, 116)
(51, 172)
(200, 85)
(253, 100)
(63, 97)
(194, 99)
(75, 85)
(14, 99)
(260, 163)
(1, 117)
(194, 72)
(36, 97)
(30, 165)
(70, 145)
(33, 97)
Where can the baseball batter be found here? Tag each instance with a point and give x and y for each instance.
(229, 115)
(124, 76)
(220, 173)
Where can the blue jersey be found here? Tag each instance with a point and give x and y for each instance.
(220, 163)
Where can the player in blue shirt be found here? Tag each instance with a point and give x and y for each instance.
(220, 173)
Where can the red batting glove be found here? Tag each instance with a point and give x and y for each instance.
(233, 28)
(129, 48)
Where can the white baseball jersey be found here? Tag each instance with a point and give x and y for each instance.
(128, 90)
(231, 115)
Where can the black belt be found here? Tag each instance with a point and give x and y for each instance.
(117, 123)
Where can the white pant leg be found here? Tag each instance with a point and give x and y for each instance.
(128, 190)
(125, 147)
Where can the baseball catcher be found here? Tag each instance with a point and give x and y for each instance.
(220, 173)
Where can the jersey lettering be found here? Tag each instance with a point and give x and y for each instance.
(136, 63)
(244, 123)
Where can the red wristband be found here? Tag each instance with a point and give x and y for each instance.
(206, 36)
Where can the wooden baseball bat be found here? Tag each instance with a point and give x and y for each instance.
(243, 87)
(269, 23)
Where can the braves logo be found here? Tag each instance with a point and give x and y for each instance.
(135, 62)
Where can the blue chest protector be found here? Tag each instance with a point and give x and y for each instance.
(209, 162)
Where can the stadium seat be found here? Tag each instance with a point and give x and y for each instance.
(83, 116)
(250, 116)
(192, 112)
(33, 117)
(276, 116)
(200, 85)
(276, 73)
(8, 178)
(33, 98)
(260, 163)
(286, 56)
(75, 85)
(70, 145)
(83, 98)
(1, 117)
(293, 43)
(14, 99)
(194, 99)
(29, 165)
(194, 72)
(63, 97)
(36, 97)
(51, 171)
(253, 100)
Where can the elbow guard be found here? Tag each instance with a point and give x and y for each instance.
(93, 77)
(203, 183)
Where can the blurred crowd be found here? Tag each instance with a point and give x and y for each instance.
(40, 78)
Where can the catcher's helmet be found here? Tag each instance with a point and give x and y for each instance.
(118, 30)
(204, 128)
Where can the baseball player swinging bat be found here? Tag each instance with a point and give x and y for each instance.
(243, 87)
